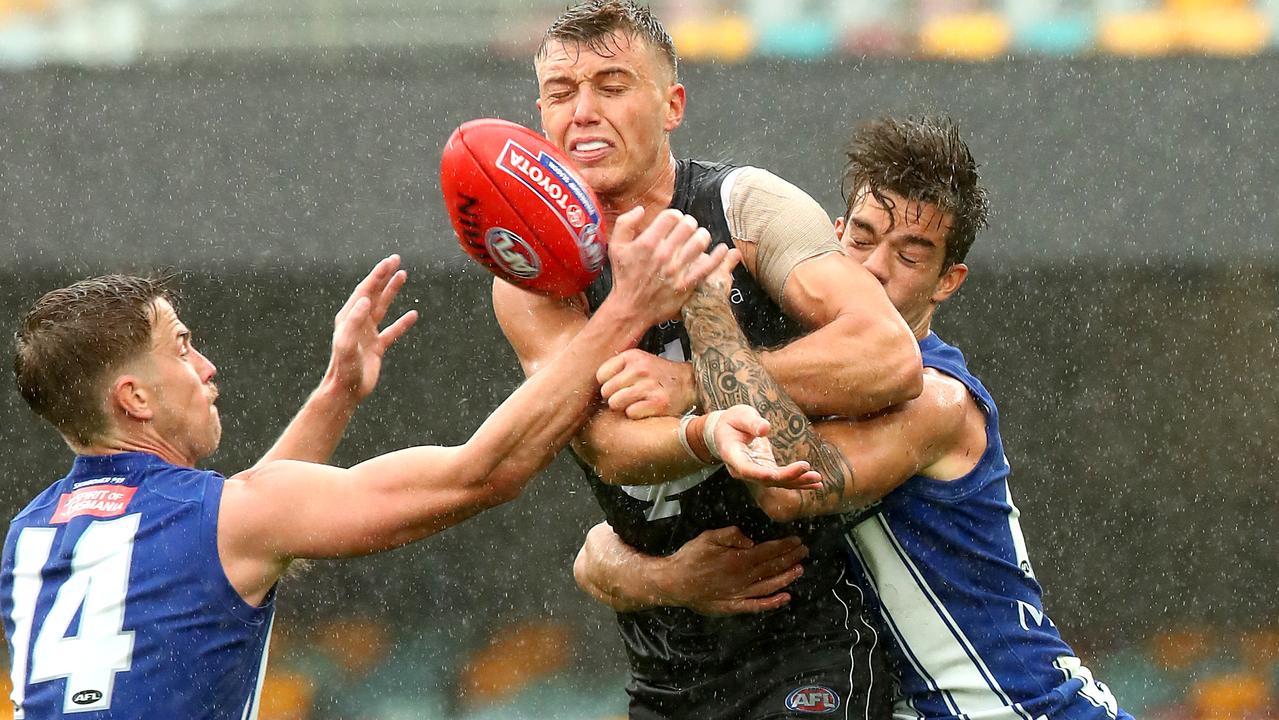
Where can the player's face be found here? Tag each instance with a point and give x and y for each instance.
(181, 380)
(904, 248)
(611, 114)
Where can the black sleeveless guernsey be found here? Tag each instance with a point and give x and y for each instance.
(689, 665)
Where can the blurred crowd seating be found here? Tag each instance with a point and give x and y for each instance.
(351, 669)
(718, 30)
(358, 668)
(975, 30)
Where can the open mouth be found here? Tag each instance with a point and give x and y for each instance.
(590, 149)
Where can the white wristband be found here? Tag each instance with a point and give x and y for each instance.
(683, 435)
(708, 434)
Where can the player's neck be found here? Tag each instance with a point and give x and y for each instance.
(653, 192)
(114, 443)
(923, 325)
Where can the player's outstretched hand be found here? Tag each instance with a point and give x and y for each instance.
(656, 270)
(358, 345)
(741, 437)
(643, 385)
(723, 572)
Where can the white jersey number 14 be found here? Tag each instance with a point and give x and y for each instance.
(97, 588)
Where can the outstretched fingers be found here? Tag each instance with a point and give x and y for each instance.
(796, 476)
(396, 330)
(763, 471)
(372, 283)
(387, 294)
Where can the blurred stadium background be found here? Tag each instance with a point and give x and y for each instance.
(1123, 306)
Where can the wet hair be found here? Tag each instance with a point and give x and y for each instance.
(592, 24)
(73, 337)
(922, 160)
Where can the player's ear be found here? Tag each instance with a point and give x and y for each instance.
(675, 101)
(950, 281)
(839, 228)
(130, 397)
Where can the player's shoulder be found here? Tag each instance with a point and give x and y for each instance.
(536, 324)
(750, 181)
(943, 387)
(945, 398)
(181, 484)
(37, 507)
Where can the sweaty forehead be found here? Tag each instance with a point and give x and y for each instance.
(904, 215)
(165, 324)
(574, 58)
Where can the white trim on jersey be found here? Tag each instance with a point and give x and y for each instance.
(1019, 540)
(254, 703)
(925, 631)
(852, 649)
(726, 193)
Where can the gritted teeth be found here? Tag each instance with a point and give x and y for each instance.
(589, 145)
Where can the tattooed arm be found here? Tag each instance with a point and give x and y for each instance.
(940, 434)
(728, 372)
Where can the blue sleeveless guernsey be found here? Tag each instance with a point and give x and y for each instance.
(115, 602)
(956, 589)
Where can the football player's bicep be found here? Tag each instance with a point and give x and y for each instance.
(536, 326)
(890, 447)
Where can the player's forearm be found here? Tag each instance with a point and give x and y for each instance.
(729, 372)
(315, 431)
(634, 452)
(526, 431)
(616, 574)
(849, 368)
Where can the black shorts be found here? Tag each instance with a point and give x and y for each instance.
(821, 680)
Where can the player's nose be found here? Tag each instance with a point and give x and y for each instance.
(205, 367)
(877, 263)
(586, 109)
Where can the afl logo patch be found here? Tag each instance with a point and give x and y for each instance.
(813, 699)
(86, 697)
(513, 254)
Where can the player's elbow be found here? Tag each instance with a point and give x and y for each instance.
(888, 346)
(781, 506)
(504, 485)
(582, 572)
(612, 471)
(905, 372)
(612, 467)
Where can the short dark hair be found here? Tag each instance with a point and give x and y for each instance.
(73, 336)
(591, 24)
(922, 160)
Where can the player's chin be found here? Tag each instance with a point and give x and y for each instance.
(603, 178)
(214, 437)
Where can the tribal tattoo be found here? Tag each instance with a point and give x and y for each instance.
(729, 372)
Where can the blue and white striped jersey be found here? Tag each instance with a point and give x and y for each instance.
(115, 602)
(955, 586)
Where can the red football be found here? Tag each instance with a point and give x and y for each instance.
(521, 209)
